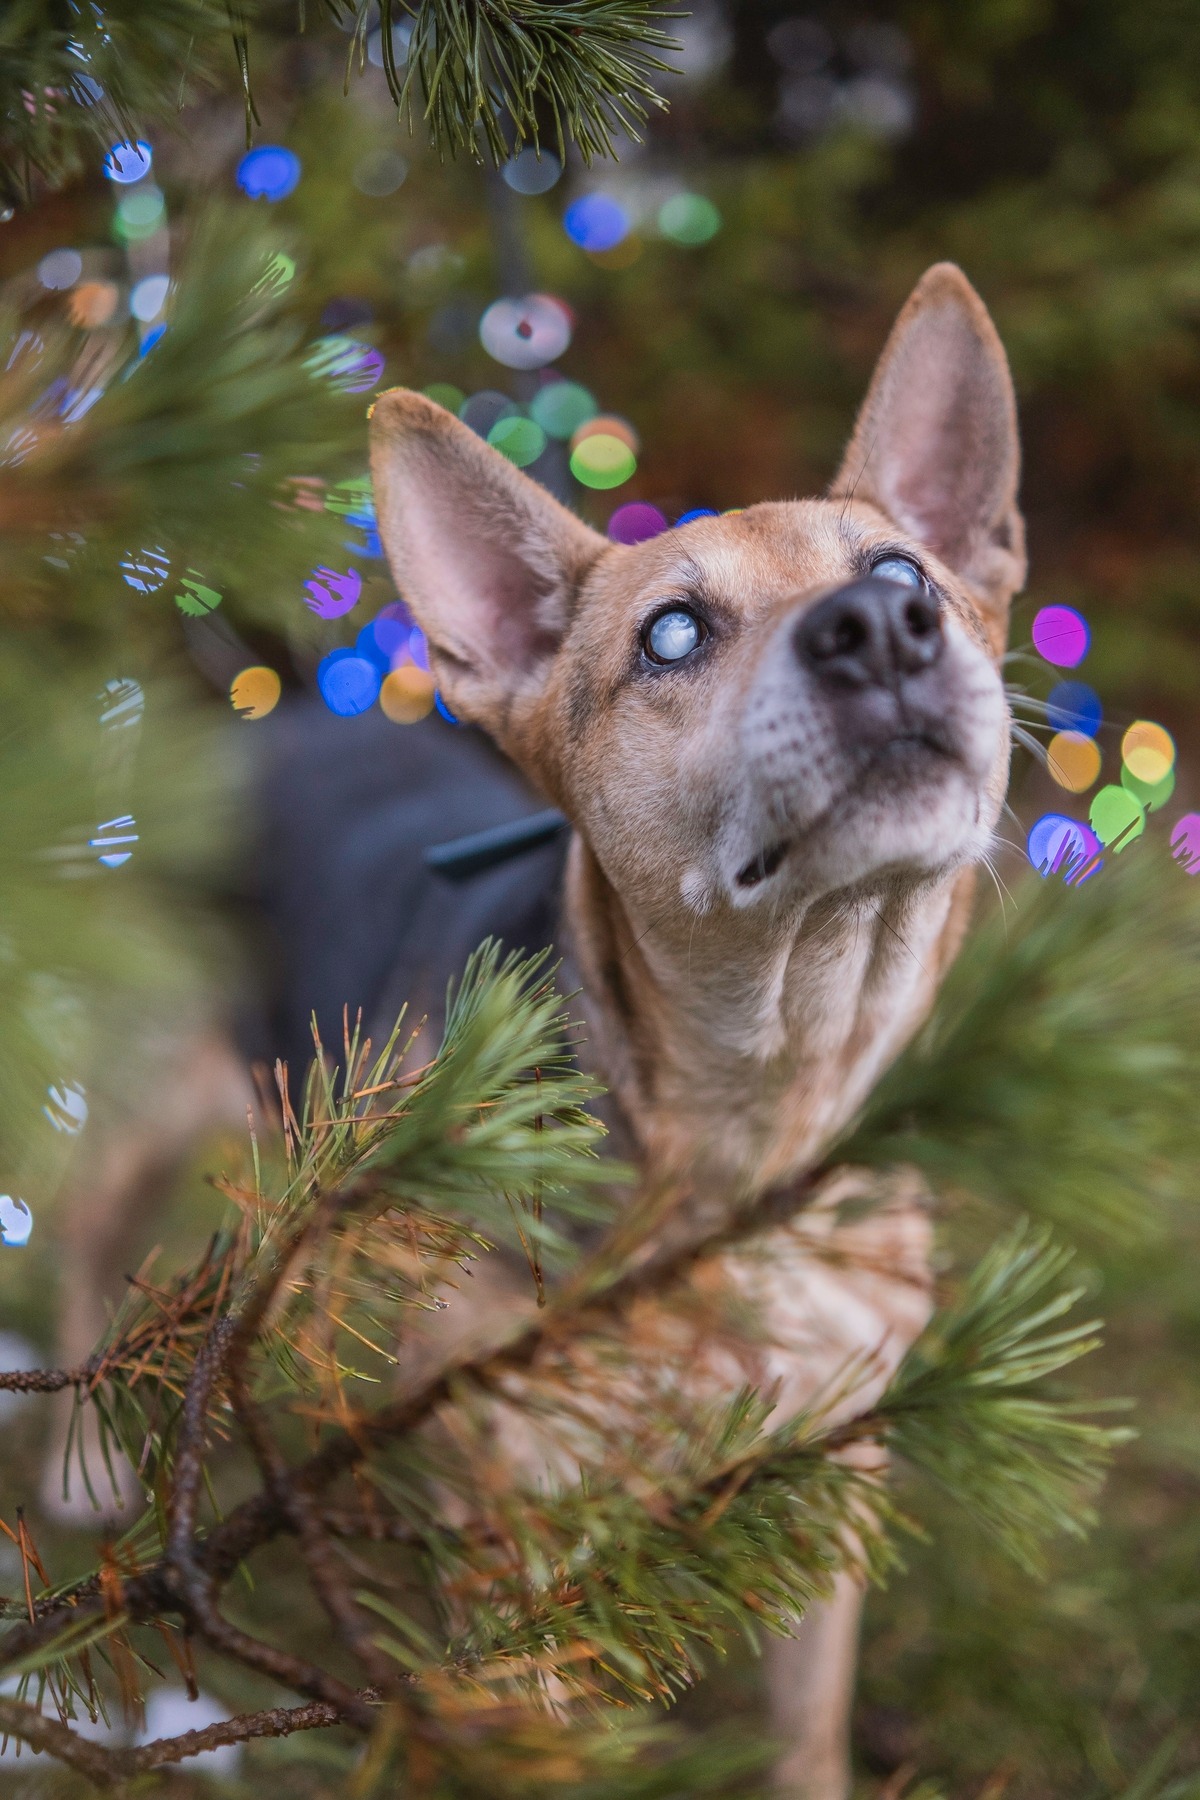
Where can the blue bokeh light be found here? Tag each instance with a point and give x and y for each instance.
(349, 683)
(1074, 706)
(1058, 845)
(268, 173)
(596, 222)
(128, 162)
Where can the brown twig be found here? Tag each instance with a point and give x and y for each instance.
(193, 1585)
(357, 1631)
(108, 1766)
(42, 1381)
(197, 1565)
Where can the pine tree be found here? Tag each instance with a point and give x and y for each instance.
(1050, 1093)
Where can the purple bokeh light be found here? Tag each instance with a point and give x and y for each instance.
(636, 521)
(330, 594)
(1061, 635)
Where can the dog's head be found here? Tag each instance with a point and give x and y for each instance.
(757, 710)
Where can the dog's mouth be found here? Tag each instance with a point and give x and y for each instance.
(760, 868)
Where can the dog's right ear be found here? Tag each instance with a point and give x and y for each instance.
(489, 562)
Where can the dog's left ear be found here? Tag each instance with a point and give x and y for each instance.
(489, 562)
(935, 445)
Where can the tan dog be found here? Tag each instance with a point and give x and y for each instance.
(782, 739)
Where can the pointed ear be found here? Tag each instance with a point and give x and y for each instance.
(935, 445)
(488, 561)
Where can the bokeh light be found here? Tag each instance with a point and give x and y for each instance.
(146, 570)
(602, 461)
(608, 425)
(1073, 706)
(1058, 845)
(439, 706)
(1117, 817)
(482, 410)
(195, 597)
(697, 512)
(346, 364)
(531, 172)
(60, 269)
(1185, 843)
(1061, 635)
(149, 297)
(1152, 794)
(122, 703)
(128, 162)
(93, 304)
(113, 840)
(1073, 760)
(402, 31)
(269, 172)
(255, 692)
(521, 440)
(380, 173)
(351, 499)
(444, 393)
(596, 222)
(407, 694)
(561, 407)
(66, 1108)
(526, 334)
(348, 683)
(139, 214)
(689, 219)
(1148, 751)
(331, 594)
(636, 521)
(16, 1222)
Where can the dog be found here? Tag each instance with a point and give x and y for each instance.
(781, 740)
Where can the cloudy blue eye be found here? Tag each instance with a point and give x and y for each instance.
(898, 568)
(673, 635)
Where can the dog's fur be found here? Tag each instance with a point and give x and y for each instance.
(771, 865)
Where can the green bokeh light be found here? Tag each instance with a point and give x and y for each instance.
(521, 440)
(688, 219)
(602, 461)
(1117, 814)
(562, 407)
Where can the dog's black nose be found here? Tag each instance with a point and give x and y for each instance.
(871, 633)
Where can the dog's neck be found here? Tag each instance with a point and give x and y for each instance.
(736, 1048)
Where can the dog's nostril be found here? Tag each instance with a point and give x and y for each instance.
(921, 618)
(850, 636)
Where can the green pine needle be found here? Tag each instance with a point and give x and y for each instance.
(968, 1404)
(1059, 1070)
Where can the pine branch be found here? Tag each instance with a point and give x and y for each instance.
(1058, 1071)
(494, 70)
(192, 451)
(482, 74)
(969, 1407)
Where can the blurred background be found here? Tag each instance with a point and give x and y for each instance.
(190, 338)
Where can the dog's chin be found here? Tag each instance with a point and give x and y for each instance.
(916, 814)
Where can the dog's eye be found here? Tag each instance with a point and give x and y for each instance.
(673, 635)
(898, 568)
